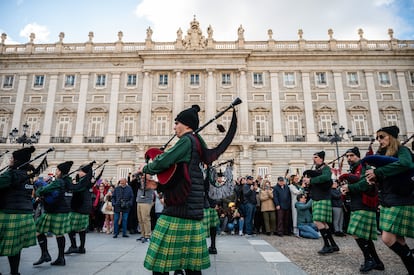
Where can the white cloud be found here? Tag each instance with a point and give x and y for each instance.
(283, 17)
(41, 32)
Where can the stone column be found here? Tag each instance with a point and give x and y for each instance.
(146, 104)
(372, 99)
(80, 115)
(405, 102)
(243, 108)
(18, 107)
(50, 104)
(113, 110)
(340, 100)
(309, 116)
(276, 111)
(211, 99)
(178, 95)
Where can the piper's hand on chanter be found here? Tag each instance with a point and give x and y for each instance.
(370, 176)
(306, 181)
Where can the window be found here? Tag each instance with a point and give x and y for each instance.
(123, 172)
(8, 81)
(384, 78)
(131, 80)
(262, 171)
(352, 78)
(411, 78)
(289, 79)
(225, 79)
(161, 123)
(39, 81)
(96, 126)
(34, 125)
(163, 81)
(260, 123)
(257, 79)
(325, 121)
(226, 120)
(100, 80)
(391, 119)
(293, 125)
(3, 127)
(320, 79)
(127, 127)
(64, 127)
(359, 124)
(69, 81)
(194, 79)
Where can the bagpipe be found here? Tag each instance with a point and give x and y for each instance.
(208, 155)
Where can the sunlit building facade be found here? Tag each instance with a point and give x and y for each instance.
(98, 101)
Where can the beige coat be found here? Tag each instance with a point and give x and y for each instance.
(266, 197)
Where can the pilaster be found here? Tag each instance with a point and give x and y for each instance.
(50, 108)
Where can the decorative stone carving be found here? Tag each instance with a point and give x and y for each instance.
(361, 34)
(270, 34)
(179, 35)
(149, 33)
(330, 33)
(240, 33)
(32, 37)
(120, 36)
(300, 33)
(194, 38)
(90, 35)
(391, 33)
(61, 36)
(210, 32)
(3, 37)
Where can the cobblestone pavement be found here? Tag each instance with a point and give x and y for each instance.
(303, 252)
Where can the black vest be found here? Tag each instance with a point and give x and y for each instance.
(18, 196)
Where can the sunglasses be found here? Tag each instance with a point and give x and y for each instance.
(380, 137)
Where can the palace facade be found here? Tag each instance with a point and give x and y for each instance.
(98, 101)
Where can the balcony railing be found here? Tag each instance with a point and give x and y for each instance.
(3, 139)
(60, 139)
(125, 139)
(361, 138)
(263, 138)
(93, 139)
(295, 138)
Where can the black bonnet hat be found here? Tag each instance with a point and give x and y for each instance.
(189, 117)
(391, 130)
(355, 151)
(86, 168)
(23, 155)
(320, 154)
(65, 167)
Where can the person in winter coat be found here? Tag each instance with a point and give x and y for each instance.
(122, 200)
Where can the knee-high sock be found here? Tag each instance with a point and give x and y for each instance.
(82, 236)
(42, 240)
(363, 245)
(213, 234)
(330, 238)
(406, 256)
(72, 238)
(14, 262)
(192, 272)
(373, 251)
(324, 234)
(61, 246)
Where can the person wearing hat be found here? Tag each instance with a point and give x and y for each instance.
(55, 219)
(81, 206)
(320, 183)
(363, 197)
(17, 227)
(184, 203)
(396, 194)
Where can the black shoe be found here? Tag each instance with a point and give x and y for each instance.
(125, 236)
(325, 250)
(140, 239)
(380, 266)
(335, 248)
(115, 236)
(145, 240)
(59, 261)
(212, 250)
(71, 250)
(368, 266)
(44, 258)
(179, 272)
(81, 250)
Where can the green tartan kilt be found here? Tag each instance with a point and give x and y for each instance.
(322, 211)
(176, 244)
(398, 220)
(17, 231)
(363, 224)
(78, 221)
(56, 223)
(211, 219)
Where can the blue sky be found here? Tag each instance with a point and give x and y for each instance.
(47, 18)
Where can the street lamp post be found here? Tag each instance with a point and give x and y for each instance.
(24, 138)
(336, 136)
